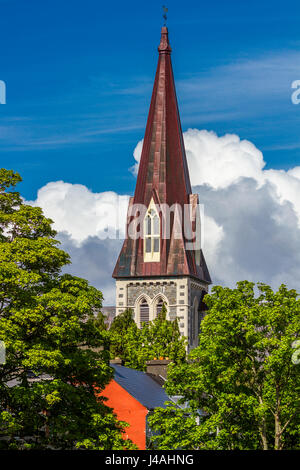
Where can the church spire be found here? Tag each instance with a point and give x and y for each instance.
(163, 167)
(163, 179)
(164, 46)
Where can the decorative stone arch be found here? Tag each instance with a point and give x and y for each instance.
(142, 299)
(155, 302)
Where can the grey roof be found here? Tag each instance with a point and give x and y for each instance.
(31, 378)
(141, 386)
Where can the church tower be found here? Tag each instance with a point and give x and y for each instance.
(161, 260)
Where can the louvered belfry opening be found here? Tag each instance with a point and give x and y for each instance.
(144, 312)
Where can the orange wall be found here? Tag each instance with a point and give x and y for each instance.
(128, 409)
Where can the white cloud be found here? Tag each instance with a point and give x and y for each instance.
(81, 213)
(213, 236)
(260, 235)
(217, 161)
(137, 156)
(287, 186)
(222, 161)
(93, 259)
(295, 172)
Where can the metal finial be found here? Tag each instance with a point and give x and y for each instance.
(165, 10)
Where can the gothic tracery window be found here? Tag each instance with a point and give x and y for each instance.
(152, 234)
(144, 312)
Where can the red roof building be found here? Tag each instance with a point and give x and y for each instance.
(161, 259)
(133, 395)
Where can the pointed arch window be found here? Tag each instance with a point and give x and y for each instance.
(144, 312)
(158, 305)
(152, 234)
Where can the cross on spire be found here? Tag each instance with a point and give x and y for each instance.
(165, 11)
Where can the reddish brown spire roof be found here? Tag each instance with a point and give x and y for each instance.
(163, 175)
(163, 165)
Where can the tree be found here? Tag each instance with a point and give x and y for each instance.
(241, 376)
(161, 338)
(158, 338)
(118, 333)
(55, 355)
(100, 321)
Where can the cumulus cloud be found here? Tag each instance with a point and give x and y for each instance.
(260, 238)
(221, 161)
(251, 216)
(217, 161)
(93, 259)
(81, 213)
(257, 210)
(137, 156)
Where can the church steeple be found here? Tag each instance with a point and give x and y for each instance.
(163, 268)
(163, 167)
(164, 46)
(163, 179)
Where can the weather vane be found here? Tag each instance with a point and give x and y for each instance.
(165, 10)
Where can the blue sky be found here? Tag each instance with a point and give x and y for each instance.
(79, 78)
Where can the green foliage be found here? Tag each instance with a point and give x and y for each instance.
(99, 321)
(241, 375)
(159, 338)
(117, 333)
(172, 428)
(47, 325)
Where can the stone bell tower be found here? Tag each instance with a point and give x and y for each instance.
(163, 265)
